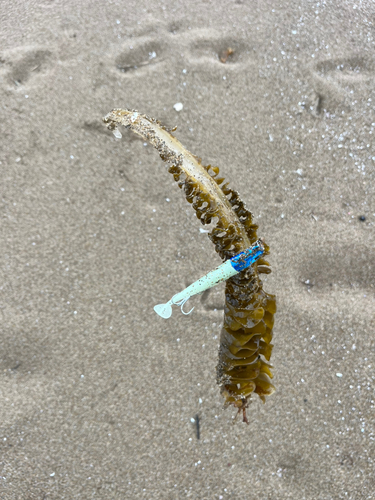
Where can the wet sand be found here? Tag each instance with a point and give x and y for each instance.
(99, 397)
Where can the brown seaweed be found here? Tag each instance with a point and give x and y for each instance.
(245, 343)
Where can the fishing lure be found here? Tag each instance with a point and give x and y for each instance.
(245, 341)
(223, 272)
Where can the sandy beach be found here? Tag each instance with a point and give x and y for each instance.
(99, 397)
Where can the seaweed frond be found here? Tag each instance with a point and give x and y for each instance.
(234, 231)
(245, 343)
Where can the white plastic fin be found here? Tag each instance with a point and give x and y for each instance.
(164, 310)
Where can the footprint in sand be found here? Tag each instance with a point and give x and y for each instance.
(197, 47)
(345, 71)
(355, 268)
(24, 367)
(138, 54)
(24, 64)
(208, 47)
(336, 80)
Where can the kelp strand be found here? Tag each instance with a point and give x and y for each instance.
(245, 342)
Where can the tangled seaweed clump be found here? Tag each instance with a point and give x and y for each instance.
(245, 342)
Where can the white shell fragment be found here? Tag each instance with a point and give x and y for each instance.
(134, 116)
(178, 106)
(117, 133)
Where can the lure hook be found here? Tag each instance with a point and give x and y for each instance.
(181, 304)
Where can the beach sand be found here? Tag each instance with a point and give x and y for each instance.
(99, 396)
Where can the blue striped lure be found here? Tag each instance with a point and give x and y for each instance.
(229, 268)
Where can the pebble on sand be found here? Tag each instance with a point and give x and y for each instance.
(178, 106)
